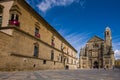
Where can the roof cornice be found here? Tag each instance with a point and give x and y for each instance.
(40, 18)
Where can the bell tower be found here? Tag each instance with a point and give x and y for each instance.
(108, 37)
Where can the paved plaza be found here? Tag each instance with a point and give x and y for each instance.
(62, 75)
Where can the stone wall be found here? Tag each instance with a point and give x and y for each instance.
(5, 42)
(19, 50)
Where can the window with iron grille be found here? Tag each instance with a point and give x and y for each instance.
(36, 51)
(52, 55)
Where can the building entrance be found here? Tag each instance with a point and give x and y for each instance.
(95, 64)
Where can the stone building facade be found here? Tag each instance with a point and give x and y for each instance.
(28, 42)
(97, 52)
(117, 63)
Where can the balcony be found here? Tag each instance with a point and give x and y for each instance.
(53, 45)
(37, 35)
(14, 22)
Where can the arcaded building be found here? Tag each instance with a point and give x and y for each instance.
(28, 42)
(97, 52)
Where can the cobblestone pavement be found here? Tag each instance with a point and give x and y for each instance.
(62, 75)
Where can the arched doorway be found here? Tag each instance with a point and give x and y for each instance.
(95, 64)
(66, 67)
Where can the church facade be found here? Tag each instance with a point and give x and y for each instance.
(97, 52)
(28, 42)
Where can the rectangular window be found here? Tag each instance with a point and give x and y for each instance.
(37, 32)
(17, 17)
(52, 55)
(44, 61)
(71, 61)
(61, 46)
(1, 10)
(0, 21)
(67, 51)
(14, 20)
(52, 41)
(36, 51)
(59, 58)
(12, 17)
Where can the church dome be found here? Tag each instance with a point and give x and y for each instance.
(107, 28)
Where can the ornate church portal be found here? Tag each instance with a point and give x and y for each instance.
(98, 52)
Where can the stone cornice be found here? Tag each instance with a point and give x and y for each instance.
(5, 33)
(41, 19)
(29, 35)
(6, 0)
(24, 56)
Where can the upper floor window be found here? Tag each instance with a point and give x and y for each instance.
(95, 45)
(36, 50)
(14, 20)
(15, 13)
(14, 17)
(1, 12)
(0, 21)
(1, 9)
(52, 41)
(67, 51)
(37, 32)
(17, 17)
(62, 46)
(71, 61)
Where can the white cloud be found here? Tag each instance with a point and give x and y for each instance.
(45, 5)
(48, 4)
(82, 3)
(77, 40)
(116, 46)
(117, 54)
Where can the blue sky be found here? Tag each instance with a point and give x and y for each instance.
(79, 20)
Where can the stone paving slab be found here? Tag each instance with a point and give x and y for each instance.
(62, 75)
